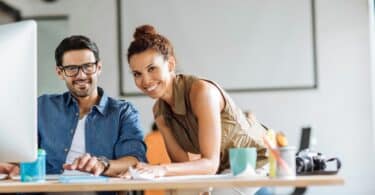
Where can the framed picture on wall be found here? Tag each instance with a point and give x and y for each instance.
(242, 45)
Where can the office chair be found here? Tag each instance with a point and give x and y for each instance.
(304, 143)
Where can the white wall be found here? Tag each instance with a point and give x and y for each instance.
(372, 56)
(93, 18)
(339, 110)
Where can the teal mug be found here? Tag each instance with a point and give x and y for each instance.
(241, 158)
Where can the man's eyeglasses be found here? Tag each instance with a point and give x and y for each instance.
(73, 70)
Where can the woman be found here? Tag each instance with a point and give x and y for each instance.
(194, 115)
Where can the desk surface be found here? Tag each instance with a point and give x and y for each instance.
(115, 184)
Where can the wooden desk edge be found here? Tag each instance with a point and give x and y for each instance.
(125, 185)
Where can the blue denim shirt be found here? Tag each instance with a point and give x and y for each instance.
(112, 129)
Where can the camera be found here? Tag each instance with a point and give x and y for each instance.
(310, 161)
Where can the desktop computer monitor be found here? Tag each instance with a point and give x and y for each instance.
(18, 88)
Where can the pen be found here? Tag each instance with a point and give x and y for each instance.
(276, 154)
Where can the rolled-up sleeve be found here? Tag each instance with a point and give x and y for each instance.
(130, 142)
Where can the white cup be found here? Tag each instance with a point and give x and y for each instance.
(288, 155)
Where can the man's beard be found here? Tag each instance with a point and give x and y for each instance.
(81, 92)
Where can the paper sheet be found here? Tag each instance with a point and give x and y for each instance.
(3, 176)
(137, 176)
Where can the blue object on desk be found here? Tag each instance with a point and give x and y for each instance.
(82, 179)
(34, 171)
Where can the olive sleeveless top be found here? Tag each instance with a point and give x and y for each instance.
(237, 130)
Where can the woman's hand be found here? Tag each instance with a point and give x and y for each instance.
(155, 170)
(144, 170)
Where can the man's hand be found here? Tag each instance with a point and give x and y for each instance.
(10, 169)
(86, 163)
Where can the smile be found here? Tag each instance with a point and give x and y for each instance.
(81, 82)
(151, 88)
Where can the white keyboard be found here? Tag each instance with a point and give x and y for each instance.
(54, 176)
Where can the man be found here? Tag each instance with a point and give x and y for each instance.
(83, 128)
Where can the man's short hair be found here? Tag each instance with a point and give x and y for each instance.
(75, 42)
